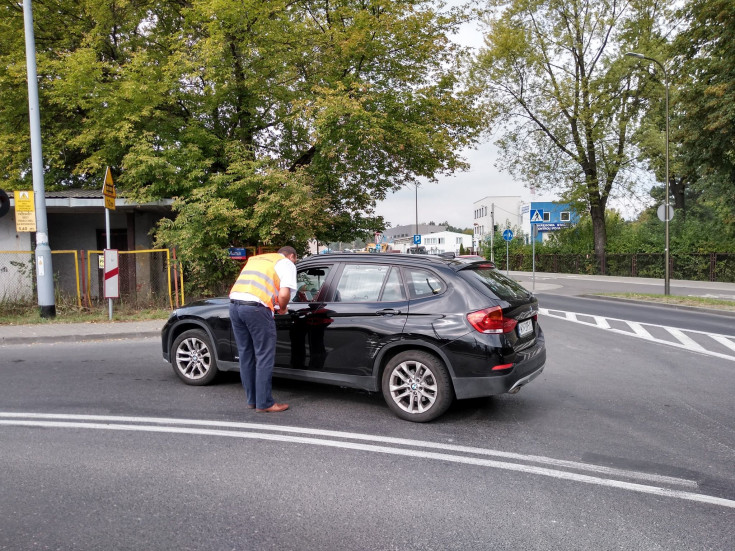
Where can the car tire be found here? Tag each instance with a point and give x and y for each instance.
(416, 386)
(193, 358)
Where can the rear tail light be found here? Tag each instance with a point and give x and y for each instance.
(491, 320)
(502, 367)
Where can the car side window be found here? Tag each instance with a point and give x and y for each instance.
(393, 290)
(423, 283)
(361, 283)
(309, 282)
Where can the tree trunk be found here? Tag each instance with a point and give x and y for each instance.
(678, 188)
(597, 214)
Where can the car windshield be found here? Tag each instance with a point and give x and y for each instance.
(492, 280)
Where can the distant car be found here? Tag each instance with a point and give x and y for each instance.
(421, 329)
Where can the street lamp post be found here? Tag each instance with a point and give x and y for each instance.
(417, 209)
(667, 286)
(44, 268)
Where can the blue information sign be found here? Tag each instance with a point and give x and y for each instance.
(537, 216)
(237, 253)
(508, 235)
(417, 240)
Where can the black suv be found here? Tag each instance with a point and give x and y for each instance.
(422, 329)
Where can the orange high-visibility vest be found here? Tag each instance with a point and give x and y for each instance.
(259, 278)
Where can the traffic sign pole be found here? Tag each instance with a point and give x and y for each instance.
(507, 236)
(108, 191)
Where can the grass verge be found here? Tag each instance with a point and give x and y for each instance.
(22, 314)
(701, 302)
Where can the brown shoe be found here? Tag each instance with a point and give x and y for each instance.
(250, 406)
(273, 409)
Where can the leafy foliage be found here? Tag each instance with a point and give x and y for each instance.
(706, 75)
(269, 122)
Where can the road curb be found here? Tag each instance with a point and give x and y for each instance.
(78, 338)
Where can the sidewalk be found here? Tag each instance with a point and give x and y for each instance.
(79, 332)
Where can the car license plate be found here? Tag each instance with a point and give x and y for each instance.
(525, 327)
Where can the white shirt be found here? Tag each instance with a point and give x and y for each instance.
(286, 271)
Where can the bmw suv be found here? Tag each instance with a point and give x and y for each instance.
(421, 329)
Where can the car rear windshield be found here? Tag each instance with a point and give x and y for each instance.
(490, 279)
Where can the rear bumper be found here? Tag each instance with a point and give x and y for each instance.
(529, 365)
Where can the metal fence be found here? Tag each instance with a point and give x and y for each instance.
(692, 267)
(148, 278)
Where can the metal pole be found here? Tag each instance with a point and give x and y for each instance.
(534, 233)
(667, 275)
(507, 260)
(107, 228)
(417, 210)
(492, 232)
(44, 266)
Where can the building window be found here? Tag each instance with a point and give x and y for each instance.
(547, 216)
(564, 216)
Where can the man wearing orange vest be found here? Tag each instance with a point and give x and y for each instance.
(264, 284)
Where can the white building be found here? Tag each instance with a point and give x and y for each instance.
(446, 242)
(501, 211)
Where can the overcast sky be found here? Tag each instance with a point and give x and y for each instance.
(452, 198)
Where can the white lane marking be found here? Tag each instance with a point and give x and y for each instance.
(725, 341)
(600, 469)
(638, 330)
(601, 322)
(527, 469)
(685, 339)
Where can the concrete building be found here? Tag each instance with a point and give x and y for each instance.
(446, 242)
(501, 211)
(409, 230)
(550, 216)
(76, 221)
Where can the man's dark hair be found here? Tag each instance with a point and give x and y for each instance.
(287, 250)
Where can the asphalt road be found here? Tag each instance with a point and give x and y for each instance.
(622, 443)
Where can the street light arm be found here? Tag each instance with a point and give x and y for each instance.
(656, 61)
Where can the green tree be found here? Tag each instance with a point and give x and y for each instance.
(268, 122)
(561, 97)
(705, 73)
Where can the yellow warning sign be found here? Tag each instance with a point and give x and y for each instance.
(108, 190)
(25, 211)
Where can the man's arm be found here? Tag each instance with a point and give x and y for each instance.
(284, 296)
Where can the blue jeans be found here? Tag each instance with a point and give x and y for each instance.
(255, 335)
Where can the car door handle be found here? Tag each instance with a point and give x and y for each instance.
(388, 312)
